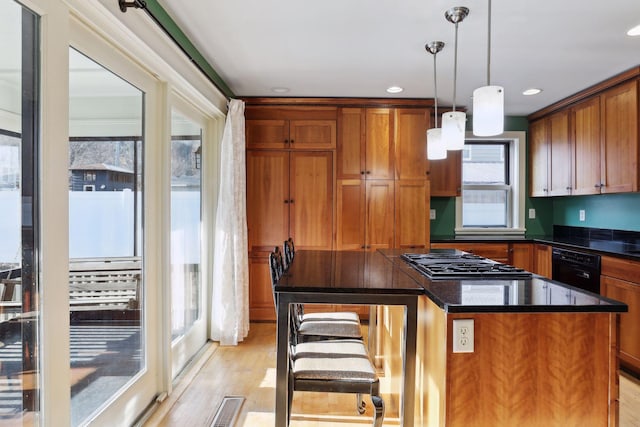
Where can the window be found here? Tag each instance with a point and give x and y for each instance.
(492, 200)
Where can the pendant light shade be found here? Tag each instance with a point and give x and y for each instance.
(453, 126)
(454, 122)
(436, 149)
(488, 111)
(488, 101)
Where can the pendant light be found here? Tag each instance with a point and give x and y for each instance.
(488, 101)
(436, 150)
(454, 122)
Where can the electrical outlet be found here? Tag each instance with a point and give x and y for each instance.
(432, 214)
(463, 335)
(532, 213)
(583, 215)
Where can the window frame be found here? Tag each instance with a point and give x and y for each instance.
(516, 163)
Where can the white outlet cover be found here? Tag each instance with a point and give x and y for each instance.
(532, 213)
(583, 215)
(432, 214)
(463, 336)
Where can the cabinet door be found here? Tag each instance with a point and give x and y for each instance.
(586, 142)
(261, 306)
(446, 175)
(629, 293)
(542, 260)
(522, 255)
(311, 199)
(379, 143)
(267, 133)
(412, 214)
(560, 155)
(351, 145)
(410, 143)
(319, 134)
(496, 251)
(379, 217)
(267, 199)
(350, 214)
(539, 158)
(620, 135)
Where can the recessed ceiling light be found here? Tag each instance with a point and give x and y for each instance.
(635, 31)
(394, 89)
(280, 89)
(532, 91)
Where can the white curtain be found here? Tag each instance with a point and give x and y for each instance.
(230, 296)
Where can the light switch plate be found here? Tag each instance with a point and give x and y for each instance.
(532, 213)
(432, 214)
(463, 336)
(583, 215)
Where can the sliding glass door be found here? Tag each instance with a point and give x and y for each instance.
(19, 219)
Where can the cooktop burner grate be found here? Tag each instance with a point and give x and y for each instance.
(451, 266)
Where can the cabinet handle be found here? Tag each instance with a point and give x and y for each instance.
(368, 172)
(363, 247)
(427, 173)
(545, 190)
(569, 188)
(291, 201)
(361, 172)
(286, 201)
(598, 185)
(286, 141)
(291, 142)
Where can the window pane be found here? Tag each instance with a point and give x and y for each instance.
(105, 233)
(484, 164)
(19, 288)
(484, 208)
(185, 224)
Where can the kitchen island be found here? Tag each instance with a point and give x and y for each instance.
(544, 354)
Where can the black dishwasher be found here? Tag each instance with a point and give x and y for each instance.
(578, 269)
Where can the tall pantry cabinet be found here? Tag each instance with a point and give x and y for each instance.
(345, 174)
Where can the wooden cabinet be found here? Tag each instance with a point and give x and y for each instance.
(291, 128)
(410, 143)
(446, 175)
(542, 260)
(289, 194)
(365, 214)
(585, 117)
(261, 305)
(620, 281)
(550, 159)
(496, 251)
(521, 255)
(588, 143)
(620, 138)
(412, 228)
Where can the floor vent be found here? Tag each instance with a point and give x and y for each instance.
(227, 411)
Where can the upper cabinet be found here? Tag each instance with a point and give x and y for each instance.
(446, 175)
(411, 145)
(279, 128)
(587, 144)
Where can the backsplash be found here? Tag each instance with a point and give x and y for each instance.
(602, 234)
(606, 211)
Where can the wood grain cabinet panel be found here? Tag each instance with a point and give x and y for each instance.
(620, 281)
(380, 214)
(521, 255)
(412, 213)
(261, 305)
(351, 148)
(350, 214)
(620, 137)
(446, 175)
(539, 158)
(410, 143)
(542, 260)
(585, 118)
(560, 154)
(379, 160)
(267, 133)
(316, 134)
(496, 251)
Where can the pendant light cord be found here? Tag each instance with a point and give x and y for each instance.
(489, 46)
(455, 67)
(435, 89)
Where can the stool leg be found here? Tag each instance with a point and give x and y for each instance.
(378, 405)
(360, 404)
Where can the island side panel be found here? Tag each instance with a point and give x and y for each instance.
(533, 369)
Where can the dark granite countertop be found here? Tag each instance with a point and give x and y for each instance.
(537, 294)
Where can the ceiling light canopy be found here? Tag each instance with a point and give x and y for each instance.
(454, 122)
(394, 89)
(488, 101)
(635, 31)
(279, 89)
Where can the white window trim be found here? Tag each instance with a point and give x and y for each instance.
(517, 169)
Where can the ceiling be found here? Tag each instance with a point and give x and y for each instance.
(358, 48)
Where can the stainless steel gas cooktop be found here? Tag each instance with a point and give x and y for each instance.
(451, 265)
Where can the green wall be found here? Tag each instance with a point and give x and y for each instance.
(615, 211)
(444, 224)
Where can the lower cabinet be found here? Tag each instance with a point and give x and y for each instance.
(620, 281)
(542, 260)
(496, 251)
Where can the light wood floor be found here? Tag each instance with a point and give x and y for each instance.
(249, 370)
